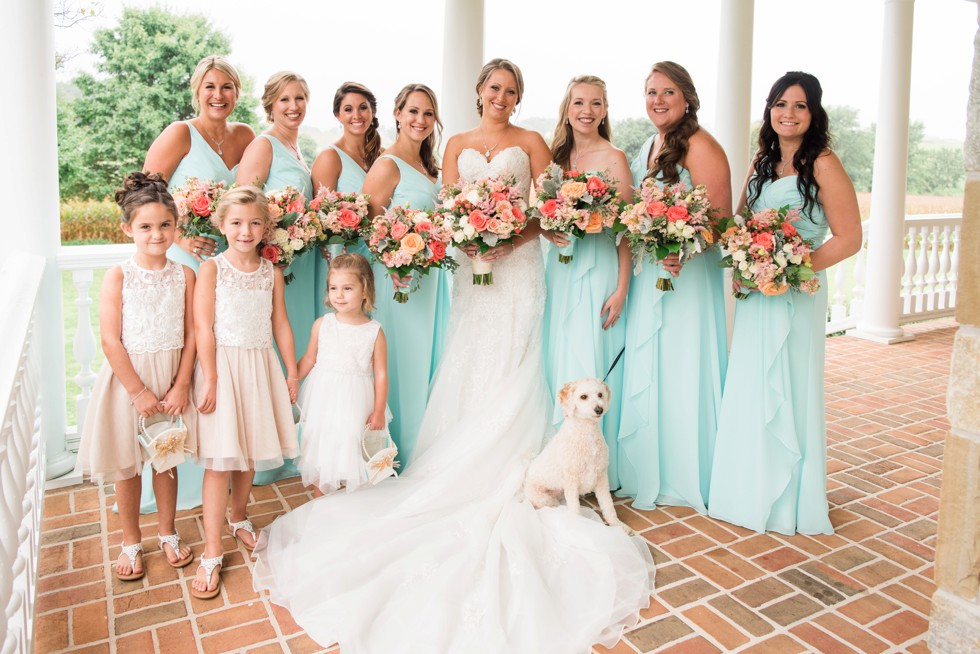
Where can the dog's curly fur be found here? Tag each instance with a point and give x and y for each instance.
(574, 462)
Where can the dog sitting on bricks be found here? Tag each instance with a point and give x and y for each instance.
(574, 462)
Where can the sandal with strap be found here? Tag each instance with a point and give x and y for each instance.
(246, 524)
(173, 540)
(209, 564)
(131, 552)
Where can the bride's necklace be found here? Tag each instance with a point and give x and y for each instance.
(487, 150)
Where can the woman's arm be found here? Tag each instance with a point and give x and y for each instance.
(450, 160)
(326, 170)
(840, 205)
(619, 170)
(175, 401)
(207, 277)
(380, 184)
(253, 170)
(110, 326)
(167, 150)
(284, 334)
(308, 359)
(376, 420)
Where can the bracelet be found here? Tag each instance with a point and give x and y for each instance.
(132, 401)
(292, 378)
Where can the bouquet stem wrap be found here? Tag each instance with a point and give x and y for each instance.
(566, 252)
(482, 272)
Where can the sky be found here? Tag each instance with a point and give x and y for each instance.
(386, 44)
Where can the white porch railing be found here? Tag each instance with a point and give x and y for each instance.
(21, 451)
(928, 286)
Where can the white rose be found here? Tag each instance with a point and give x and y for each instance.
(473, 196)
(796, 259)
(282, 237)
(296, 244)
(738, 255)
(780, 260)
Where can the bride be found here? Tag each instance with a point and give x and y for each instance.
(447, 558)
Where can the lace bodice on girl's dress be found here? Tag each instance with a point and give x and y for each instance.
(152, 308)
(243, 305)
(344, 348)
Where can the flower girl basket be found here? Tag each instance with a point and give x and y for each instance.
(164, 441)
(379, 452)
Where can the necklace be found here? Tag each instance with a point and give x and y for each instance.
(216, 142)
(781, 166)
(487, 150)
(295, 150)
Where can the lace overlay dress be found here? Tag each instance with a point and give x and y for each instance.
(252, 425)
(153, 335)
(336, 400)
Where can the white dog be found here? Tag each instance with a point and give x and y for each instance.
(574, 462)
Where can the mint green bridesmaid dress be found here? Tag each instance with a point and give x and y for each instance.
(300, 294)
(575, 344)
(351, 180)
(675, 365)
(770, 464)
(202, 162)
(415, 330)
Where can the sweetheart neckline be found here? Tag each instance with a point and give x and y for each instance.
(499, 154)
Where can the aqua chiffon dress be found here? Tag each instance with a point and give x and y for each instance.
(202, 162)
(351, 180)
(575, 344)
(770, 463)
(675, 365)
(415, 330)
(286, 170)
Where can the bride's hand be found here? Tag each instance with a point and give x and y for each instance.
(472, 250)
(398, 282)
(558, 238)
(499, 251)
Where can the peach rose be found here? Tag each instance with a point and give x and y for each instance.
(275, 211)
(596, 186)
(423, 227)
(677, 213)
(656, 208)
(595, 224)
(296, 206)
(772, 288)
(788, 229)
(573, 190)
(763, 239)
(549, 208)
(478, 220)
(348, 219)
(398, 230)
(413, 243)
(493, 225)
(201, 206)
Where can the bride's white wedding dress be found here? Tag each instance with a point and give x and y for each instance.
(448, 558)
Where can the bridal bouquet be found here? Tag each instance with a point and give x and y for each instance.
(408, 241)
(292, 231)
(672, 219)
(342, 217)
(574, 204)
(765, 252)
(487, 212)
(196, 200)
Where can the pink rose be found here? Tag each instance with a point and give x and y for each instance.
(788, 229)
(549, 208)
(596, 186)
(493, 225)
(296, 206)
(656, 208)
(478, 220)
(315, 203)
(271, 252)
(201, 206)
(348, 219)
(398, 230)
(423, 227)
(763, 239)
(676, 213)
(438, 250)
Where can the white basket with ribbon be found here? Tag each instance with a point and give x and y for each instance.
(379, 452)
(164, 441)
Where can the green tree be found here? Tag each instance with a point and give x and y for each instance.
(142, 84)
(854, 144)
(308, 148)
(630, 134)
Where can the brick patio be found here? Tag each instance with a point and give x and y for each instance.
(867, 588)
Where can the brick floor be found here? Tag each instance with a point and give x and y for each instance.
(720, 588)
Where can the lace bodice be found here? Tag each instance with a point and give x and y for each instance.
(513, 162)
(347, 349)
(152, 308)
(243, 305)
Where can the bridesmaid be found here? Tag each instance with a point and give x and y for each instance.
(770, 464)
(273, 162)
(586, 298)
(675, 340)
(343, 166)
(407, 174)
(206, 147)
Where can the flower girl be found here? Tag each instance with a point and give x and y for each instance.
(148, 339)
(347, 391)
(246, 421)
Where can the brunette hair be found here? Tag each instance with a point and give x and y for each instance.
(241, 195)
(357, 264)
(815, 141)
(488, 69)
(140, 189)
(372, 139)
(431, 144)
(216, 62)
(275, 86)
(564, 139)
(675, 142)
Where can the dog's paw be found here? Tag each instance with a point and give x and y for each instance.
(626, 529)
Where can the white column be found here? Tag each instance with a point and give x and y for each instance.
(733, 115)
(882, 302)
(462, 59)
(27, 45)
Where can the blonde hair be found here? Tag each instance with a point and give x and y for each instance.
(241, 195)
(431, 143)
(564, 139)
(275, 86)
(213, 62)
(487, 71)
(357, 264)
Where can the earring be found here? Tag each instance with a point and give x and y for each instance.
(687, 108)
(479, 103)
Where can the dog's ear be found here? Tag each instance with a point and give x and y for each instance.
(564, 395)
(607, 391)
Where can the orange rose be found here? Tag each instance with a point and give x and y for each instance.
(413, 243)
(595, 224)
(573, 190)
(478, 220)
(201, 206)
(772, 288)
(656, 208)
(677, 213)
(788, 229)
